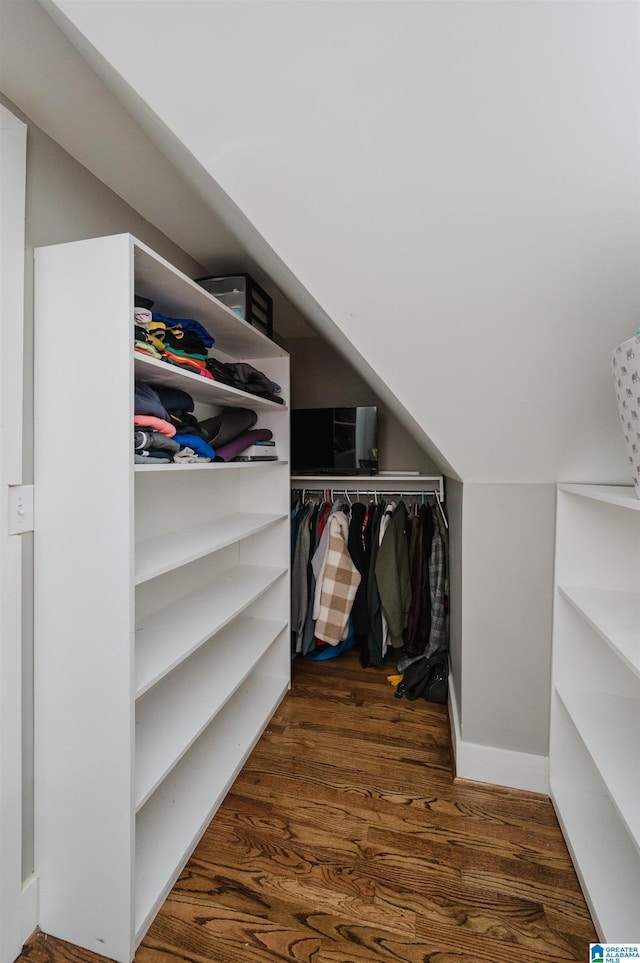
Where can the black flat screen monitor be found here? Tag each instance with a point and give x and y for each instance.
(340, 441)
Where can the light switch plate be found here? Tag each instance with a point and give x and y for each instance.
(20, 509)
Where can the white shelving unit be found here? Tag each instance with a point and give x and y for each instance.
(595, 706)
(161, 596)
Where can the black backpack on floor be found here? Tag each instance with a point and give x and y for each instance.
(426, 679)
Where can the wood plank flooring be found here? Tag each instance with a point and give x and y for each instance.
(346, 840)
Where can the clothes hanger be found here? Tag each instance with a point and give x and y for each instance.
(439, 504)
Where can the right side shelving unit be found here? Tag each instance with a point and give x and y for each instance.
(594, 753)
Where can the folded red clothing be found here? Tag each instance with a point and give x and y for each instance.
(148, 421)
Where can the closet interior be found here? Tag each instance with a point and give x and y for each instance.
(369, 568)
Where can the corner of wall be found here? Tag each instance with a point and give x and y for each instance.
(488, 764)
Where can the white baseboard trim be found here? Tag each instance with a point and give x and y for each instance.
(500, 767)
(29, 906)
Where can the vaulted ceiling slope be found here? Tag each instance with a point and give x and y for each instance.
(455, 185)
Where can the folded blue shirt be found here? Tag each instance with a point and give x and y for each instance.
(197, 444)
(187, 324)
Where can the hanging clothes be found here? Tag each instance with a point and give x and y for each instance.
(393, 575)
(438, 636)
(299, 574)
(372, 533)
(373, 576)
(416, 634)
(338, 583)
(355, 545)
(384, 524)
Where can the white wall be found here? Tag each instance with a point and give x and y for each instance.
(14, 909)
(63, 202)
(44, 75)
(455, 183)
(320, 377)
(507, 541)
(454, 492)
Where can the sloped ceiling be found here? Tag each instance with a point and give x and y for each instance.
(44, 75)
(453, 185)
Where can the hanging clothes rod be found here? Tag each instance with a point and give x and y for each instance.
(354, 490)
(339, 490)
(396, 484)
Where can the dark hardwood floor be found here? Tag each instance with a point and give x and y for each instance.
(346, 840)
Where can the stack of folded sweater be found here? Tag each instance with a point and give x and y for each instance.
(165, 430)
(182, 342)
(185, 343)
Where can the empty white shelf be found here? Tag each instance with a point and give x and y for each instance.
(174, 713)
(622, 495)
(614, 615)
(163, 553)
(173, 820)
(604, 723)
(601, 855)
(169, 636)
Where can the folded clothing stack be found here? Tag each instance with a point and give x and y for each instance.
(232, 432)
(182, 342)
(245, 377)
(185, 343)
(171, 432)
(242, 442)
(166, 429)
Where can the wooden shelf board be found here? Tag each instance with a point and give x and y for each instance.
(169, 826)
(614, 615)
(164, 553)
(171, 635)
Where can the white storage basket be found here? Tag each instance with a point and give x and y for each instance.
(625, 361)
